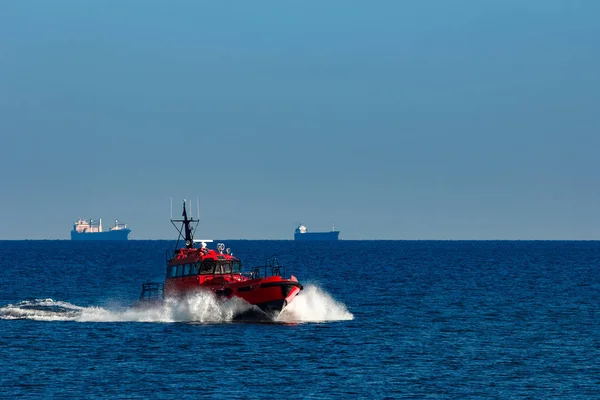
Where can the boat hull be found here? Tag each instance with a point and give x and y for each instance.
(271, 295)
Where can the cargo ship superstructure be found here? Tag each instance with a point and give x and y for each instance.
(92, 230)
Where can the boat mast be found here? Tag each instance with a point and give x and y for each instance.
(188, 230)
(186, 227)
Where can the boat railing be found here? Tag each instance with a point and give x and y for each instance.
(152, 291)
(171, 254)
(271, 268)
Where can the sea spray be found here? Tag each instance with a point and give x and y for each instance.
(311, 305)
(314, 305)
(198, 307)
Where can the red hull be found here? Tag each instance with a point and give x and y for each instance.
(270, 294)
(193, 269)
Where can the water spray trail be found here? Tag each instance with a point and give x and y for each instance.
(311, 305)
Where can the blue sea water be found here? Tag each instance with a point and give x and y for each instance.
(376, 319)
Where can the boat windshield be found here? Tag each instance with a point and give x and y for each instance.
(220, 267)
(207, 267)
(236, 267)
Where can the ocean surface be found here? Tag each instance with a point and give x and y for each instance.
(376, 319)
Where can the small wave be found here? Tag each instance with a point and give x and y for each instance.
(311, 305)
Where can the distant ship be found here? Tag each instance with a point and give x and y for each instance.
(301, 233)
(90, 230)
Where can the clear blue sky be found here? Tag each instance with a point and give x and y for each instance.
(395, 119)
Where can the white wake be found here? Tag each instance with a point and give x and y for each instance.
(314, 305)
(311, 305)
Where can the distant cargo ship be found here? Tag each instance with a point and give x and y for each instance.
(90, 230)
(301, 233)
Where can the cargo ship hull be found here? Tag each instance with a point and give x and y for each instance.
(121, 234)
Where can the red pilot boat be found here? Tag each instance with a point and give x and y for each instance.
(196, 267)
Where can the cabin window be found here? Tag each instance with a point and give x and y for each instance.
(195, 269)
(179, 270)
(226, 267)
(186, 270)
(236, 267)
(173, 271)
(207, 267)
